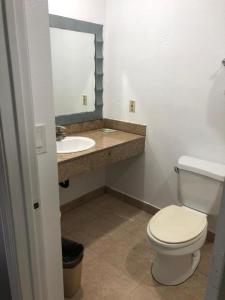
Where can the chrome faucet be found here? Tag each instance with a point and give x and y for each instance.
(60, 132)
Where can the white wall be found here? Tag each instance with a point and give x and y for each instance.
(167, 55)
(86, 10)
(82, 184)
(90, 11)
(40, 63)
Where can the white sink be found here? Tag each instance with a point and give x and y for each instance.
(74, 144)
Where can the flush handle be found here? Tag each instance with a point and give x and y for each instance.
(176, 169)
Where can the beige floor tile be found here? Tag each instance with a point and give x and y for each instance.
(206, 253)
(99, 228)
(142, 217)
(64, 233)
(102, 281)
(78, 219)
(102, 204)
(197, 280)
(92, 295)
(125, 210)
(79, 237)
(108, 236)
(166, 293)
(99, 233)
(118, 258)
(193, 289)
(100, 244)
(131, 228)
(109, 205)
(181, 293)
(144, 293)
(127, 260)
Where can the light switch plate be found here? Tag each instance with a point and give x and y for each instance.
(40, 138)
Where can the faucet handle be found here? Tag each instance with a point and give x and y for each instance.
(60, 129)
(60, 132)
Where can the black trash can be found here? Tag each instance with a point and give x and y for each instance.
(72, 266)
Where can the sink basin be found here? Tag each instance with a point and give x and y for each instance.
(74, 144)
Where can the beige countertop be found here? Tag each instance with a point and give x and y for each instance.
(103, 141)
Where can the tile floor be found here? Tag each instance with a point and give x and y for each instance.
(118, 257)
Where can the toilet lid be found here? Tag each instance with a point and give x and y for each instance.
(177, 224)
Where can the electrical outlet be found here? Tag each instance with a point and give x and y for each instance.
(132, 106)
(84, 98)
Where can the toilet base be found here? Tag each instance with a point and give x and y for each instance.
(174, 270)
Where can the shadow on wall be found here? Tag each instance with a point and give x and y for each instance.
(145, 178)
(161, 180)
(216, 106)
(128, 177)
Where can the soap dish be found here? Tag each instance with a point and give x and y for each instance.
(107, 130)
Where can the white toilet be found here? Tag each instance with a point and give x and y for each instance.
(177, 233)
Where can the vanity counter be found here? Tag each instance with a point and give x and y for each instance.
(109, 148)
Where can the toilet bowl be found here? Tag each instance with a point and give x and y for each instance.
(177, 249)
(177, 233)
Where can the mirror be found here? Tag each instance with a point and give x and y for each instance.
(73, 71)
(77, 69)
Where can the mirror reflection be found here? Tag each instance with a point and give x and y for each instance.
(73, 68)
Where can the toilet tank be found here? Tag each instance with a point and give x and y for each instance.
(200, 184)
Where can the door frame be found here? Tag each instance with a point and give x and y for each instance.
(216, 281)
(22, 221)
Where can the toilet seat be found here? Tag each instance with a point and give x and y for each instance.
(175, 247)
(180, 255)
(177, 226)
